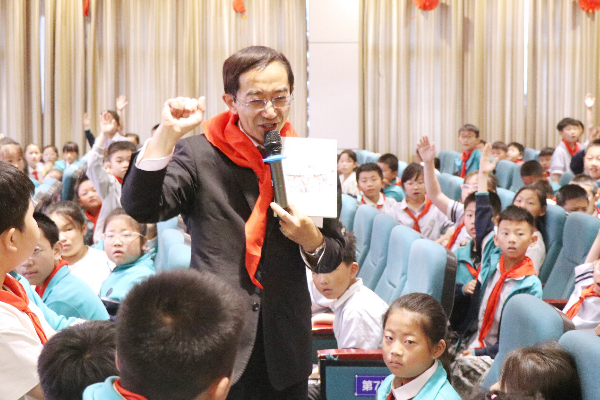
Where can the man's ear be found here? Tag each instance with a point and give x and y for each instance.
(218, 390)
(230, 101)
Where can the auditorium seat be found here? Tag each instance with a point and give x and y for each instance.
(401, 167)
(531, 154)
(553, 238)
(179, 257)
(375, 261)
(504, 173)
(585, 348)
(167, 239)
(447, 160)
(363, 227)
(69, 175)
(526, 321)
(366, 156)
(506, 196)
(566, 178)
(450, 185)
(517, 181)
(159, 261)
(349, 206)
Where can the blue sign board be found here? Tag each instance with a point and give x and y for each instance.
(367, 385)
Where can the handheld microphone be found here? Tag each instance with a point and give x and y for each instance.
(272, 142)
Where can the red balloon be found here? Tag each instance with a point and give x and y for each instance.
(426, 5)
(589, 6)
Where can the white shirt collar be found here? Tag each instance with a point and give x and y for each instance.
(249, 137)
(355, 287)
(380, 201)
(412, 388)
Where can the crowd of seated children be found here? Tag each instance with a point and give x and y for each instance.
(346, 164)
(60, 290)
(76, 358)
(90, 201)
(468, 139)
(33, 158)
(515, 152)
(414, 338)
(357, 309)
(416, 210)
(499, 150)
(391, 182)
(591, 187)
(370, 184)
(572, 198)
(583, 306)
(70, 153)
(570, 131)
(87, 263)
(177, 338)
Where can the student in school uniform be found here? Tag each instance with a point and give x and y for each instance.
(392, 187)
(515, 153)
(591, 160)
(591, 187)
(370, 184)
(533, 171)
(583, 306)
(570, 131)
(70, 155)
(546, 159)
(499, 150)
(468, 139)
(357, 309)
(91, 202)
(62, 292)
(346, 165)
(573, 198)
(534, 201)
(416, 210)
(33, 157)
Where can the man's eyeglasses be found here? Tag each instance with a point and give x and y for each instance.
(258, 105)
(125, 236)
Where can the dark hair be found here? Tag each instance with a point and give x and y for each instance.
(390, 160)
(118, 146)
(81, 179)
(517, 214)
(584, 179)
(519, 147)
(120, 212)
(349, 153)
(570, 192)
(250, 58)
(546, 151)
(349, 249)
(16, 189)
(133, 135)
(47, 226)
(434, 322)
(177, 333)
(70, 210)
(71, 146)
(532, 168)
(595, 143)
(77, 357)
(546, 369)
(563, 123)
(368, 167)
(115, 115)
(498, 395)
(411, 170)
(543, 186)
(155, 127)
(500, 146)
(470, 199)
(470, 128)
(50, 146)
(540, 222)
(496, 203)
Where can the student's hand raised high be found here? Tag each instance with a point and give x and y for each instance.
(589, 100)
(108, 125)
(487, 166)
(121, 103)
(426, 149)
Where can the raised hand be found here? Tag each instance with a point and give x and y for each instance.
(426, 149)
(86, 121)
(108, 124)
(181, 115)
(121, 103)
(485, 165)
(589, 100)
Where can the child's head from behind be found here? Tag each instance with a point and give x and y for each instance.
(591, 187)
(515, 232)
(515, 152)
(370, 180)
(546, 157)
(532, 171)
(50, 154)
(591, 161)
(177, 336)
(12, 153)
(570, 130)
(531, 200)
(77, 357)
(346, 162)
(124, 237)
(118, 156)
(33, 155)
(133, 138)
(572, 198)
(546, 369)
(46, 255)
(70, 152)
(414, 336)
(389, 166)
(71, 225)
(335, 283)
(19, 233)
(468, 137)
(413, 182)
(499, 150)
(87, 196)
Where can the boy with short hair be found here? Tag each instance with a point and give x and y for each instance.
(591, 160)
(370, 182)
(515, 152)
(70, 155)
(591, 187)
(572, 198)
(358, 310)
(177, 337)
(532, 171)
(61, 291)
(76, 358)
(546, 159)
(499, 150)
(108, 185)
(391, 183)
(133, 138)
(583, 306)
(570, 131)
(468, 139)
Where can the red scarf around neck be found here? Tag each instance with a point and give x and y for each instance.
(222, 132)
(417, 218)
(455, 235)
(19, 300)
(41, 289)
(362, 200)
(572, 150)
(93, 218)
(524, 268)
(120, 180)
(464, 158)
(585, 293)
(127, 395)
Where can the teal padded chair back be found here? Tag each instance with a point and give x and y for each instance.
(566, 178)
(450, 185)
(371, 157)
(161, 226)
(504, 173)
(531, 154)
(179, 257)
(526, 320)
(585, 348)
(506, 196)
(401, 167)
(363, 227)
(447, 160)
(376, 259)
(68, 185)
(349, 206)
(393, 279)
(578, 235)
(168, 238)
(366, 156)
(517, 181)
(444, 180)
(553, 238)
(431, 270)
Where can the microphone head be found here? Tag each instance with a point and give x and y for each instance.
(272, 142)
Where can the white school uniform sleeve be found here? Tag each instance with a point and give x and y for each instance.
(560, 161)
(99, 177)
(153, 164)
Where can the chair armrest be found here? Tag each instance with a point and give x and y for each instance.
(322, 330)
(558, 303)
(350, 354)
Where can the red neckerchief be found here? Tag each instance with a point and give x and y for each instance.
(585, 293)
(455, 235)
(398, 182)
(223, 133)
(519, 162)
(572, 150)
(93, 218)
(474, 272)
(126, 393)
(41, 289)
(35, 174)
(416, 219)
(524, 268)
(120, 180)
(362, 200)
(464, 158)
(391, 396)
(19, 300)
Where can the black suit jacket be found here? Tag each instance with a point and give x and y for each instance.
(216, 197)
